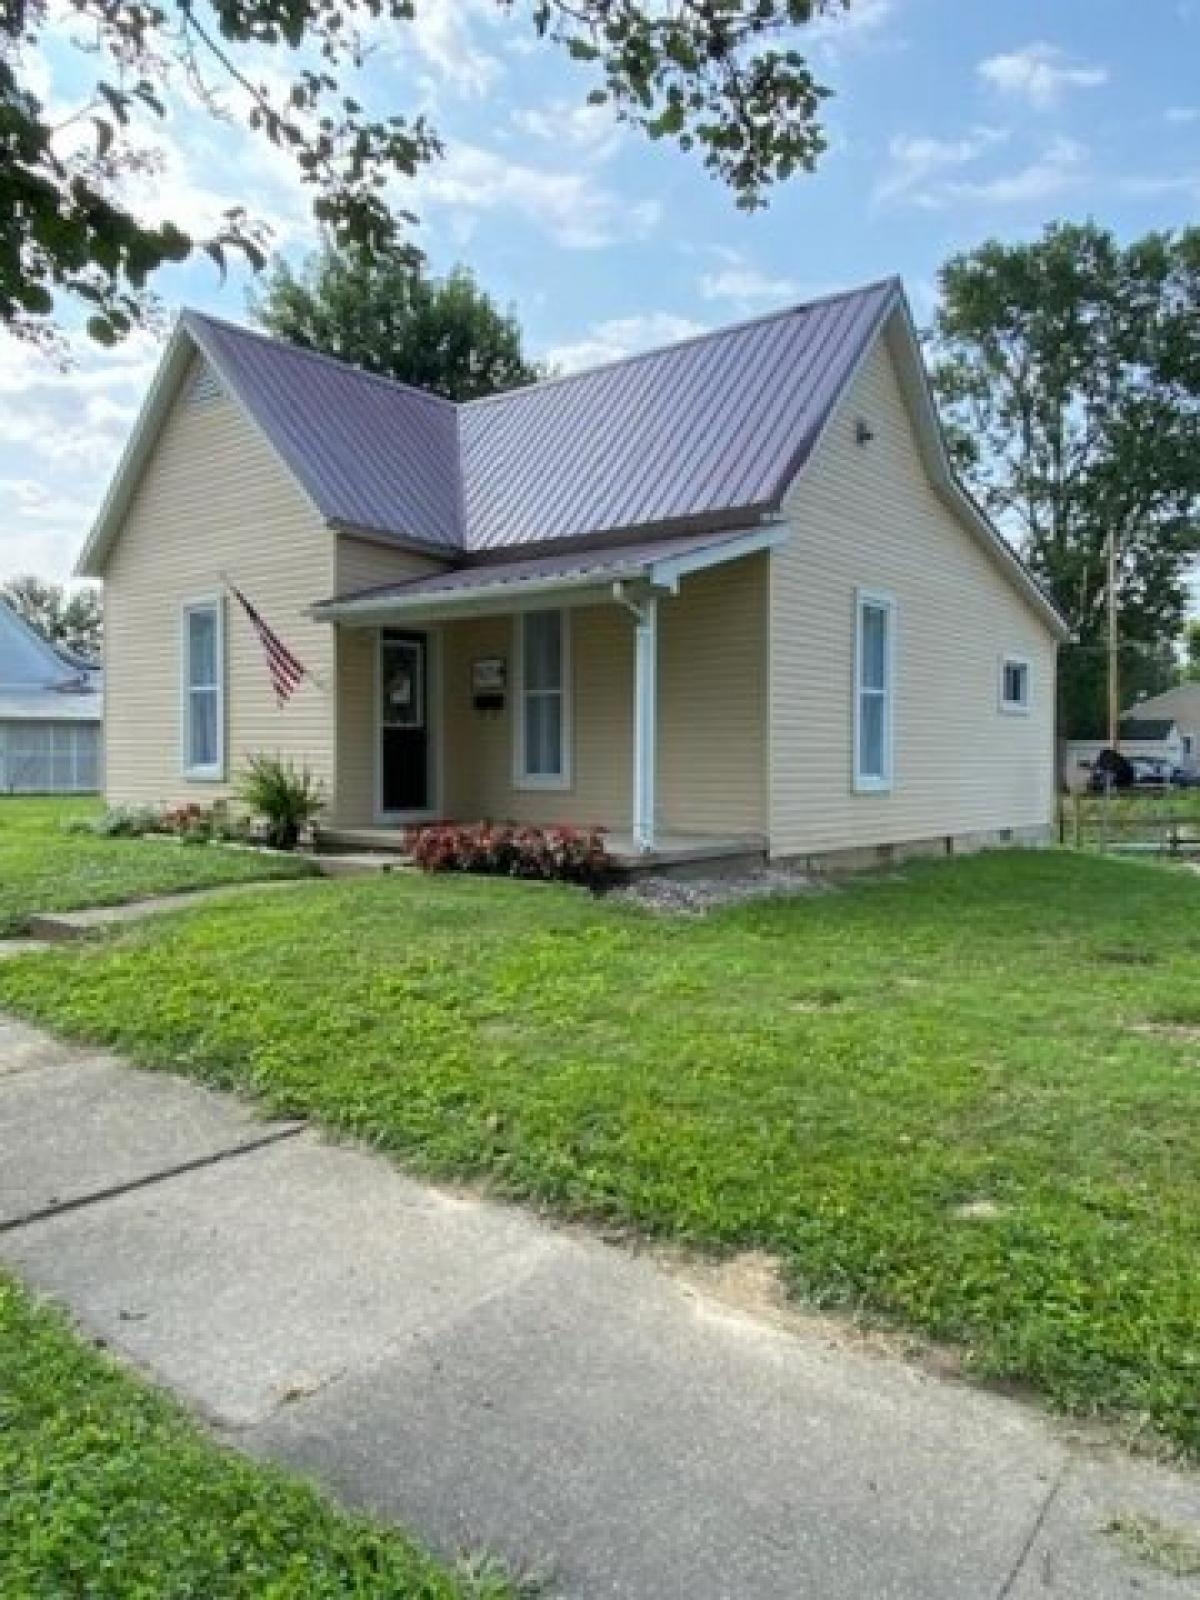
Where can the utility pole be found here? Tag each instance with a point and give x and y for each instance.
(1114, 685)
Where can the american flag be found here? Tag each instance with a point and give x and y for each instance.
(286, 671)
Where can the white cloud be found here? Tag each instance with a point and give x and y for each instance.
(574, 210)
(1154, 186)
(919, 164)
(744, 284)
(839, 26)
(445, 36)
(622, 336)
(931, 173)
(1039, 74)
(1057, 170)
(1181, 116)
(62, 434)
(590, 130)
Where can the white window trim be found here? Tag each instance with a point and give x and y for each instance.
(213, 772)
(1015, 708)
(867, 782)
(521, 779)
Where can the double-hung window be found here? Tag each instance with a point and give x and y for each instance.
(1014, 684)
(203, 707)
(542, 723)
(874, 690)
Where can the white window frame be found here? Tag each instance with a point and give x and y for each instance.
(522, 779)
(208, 772)
(870, 782)
(1015, 708)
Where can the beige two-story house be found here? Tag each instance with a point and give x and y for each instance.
(724, 595)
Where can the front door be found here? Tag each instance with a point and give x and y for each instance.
(404, 764)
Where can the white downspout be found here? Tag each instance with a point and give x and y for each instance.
(645, 714)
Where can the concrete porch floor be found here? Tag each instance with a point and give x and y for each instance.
(690, 854)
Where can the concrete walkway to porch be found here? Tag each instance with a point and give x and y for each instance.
(492, 1381)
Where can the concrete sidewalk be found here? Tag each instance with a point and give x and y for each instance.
(490, 1381)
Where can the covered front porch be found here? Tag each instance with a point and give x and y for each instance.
(622, 688)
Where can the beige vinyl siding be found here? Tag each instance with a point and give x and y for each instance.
(479, 744)
(362, 564)
(213, 497)
(869, 516)
(712, 683)
(368, 563)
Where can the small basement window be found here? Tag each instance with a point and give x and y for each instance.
(1014, 684)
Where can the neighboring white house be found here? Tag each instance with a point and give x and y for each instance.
(51, 714)
(1157, 737)
(1182, 705)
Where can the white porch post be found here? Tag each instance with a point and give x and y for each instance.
(645, 720)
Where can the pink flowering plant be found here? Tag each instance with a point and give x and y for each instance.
(514, 850)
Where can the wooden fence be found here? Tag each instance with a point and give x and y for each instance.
(1140, 824)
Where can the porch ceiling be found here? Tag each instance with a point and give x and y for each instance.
(586, 577)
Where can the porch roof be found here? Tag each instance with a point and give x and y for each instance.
(582, 577)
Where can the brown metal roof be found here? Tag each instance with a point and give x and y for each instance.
(707, 431)
(716, 426)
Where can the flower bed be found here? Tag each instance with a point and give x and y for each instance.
(514, 850)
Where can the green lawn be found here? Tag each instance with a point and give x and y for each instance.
(966, 1098)
(110, 1492)
(43, 868)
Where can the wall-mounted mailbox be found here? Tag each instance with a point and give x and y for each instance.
(489, 678)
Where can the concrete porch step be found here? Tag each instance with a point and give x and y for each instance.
(362, 841)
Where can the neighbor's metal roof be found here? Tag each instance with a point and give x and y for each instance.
(50, 705)
(705, 430)
(1146, 728)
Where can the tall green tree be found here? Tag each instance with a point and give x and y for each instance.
(720, 77)
(75, 621)
(1189, 671)
(384, 314)
(1069, 374)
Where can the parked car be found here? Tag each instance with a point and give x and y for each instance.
(1151, 772)
(1110, 770)
(1185, 778)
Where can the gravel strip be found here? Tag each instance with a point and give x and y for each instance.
(696, 897)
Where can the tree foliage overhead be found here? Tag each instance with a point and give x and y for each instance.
(385, 315)
(1069, 374)
(74, 621)
(1189, 671)
(718, 76)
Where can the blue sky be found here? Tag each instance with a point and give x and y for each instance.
(954, 120)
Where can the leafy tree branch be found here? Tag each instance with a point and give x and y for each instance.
(719, 77)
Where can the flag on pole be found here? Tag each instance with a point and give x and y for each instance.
(286, 670)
